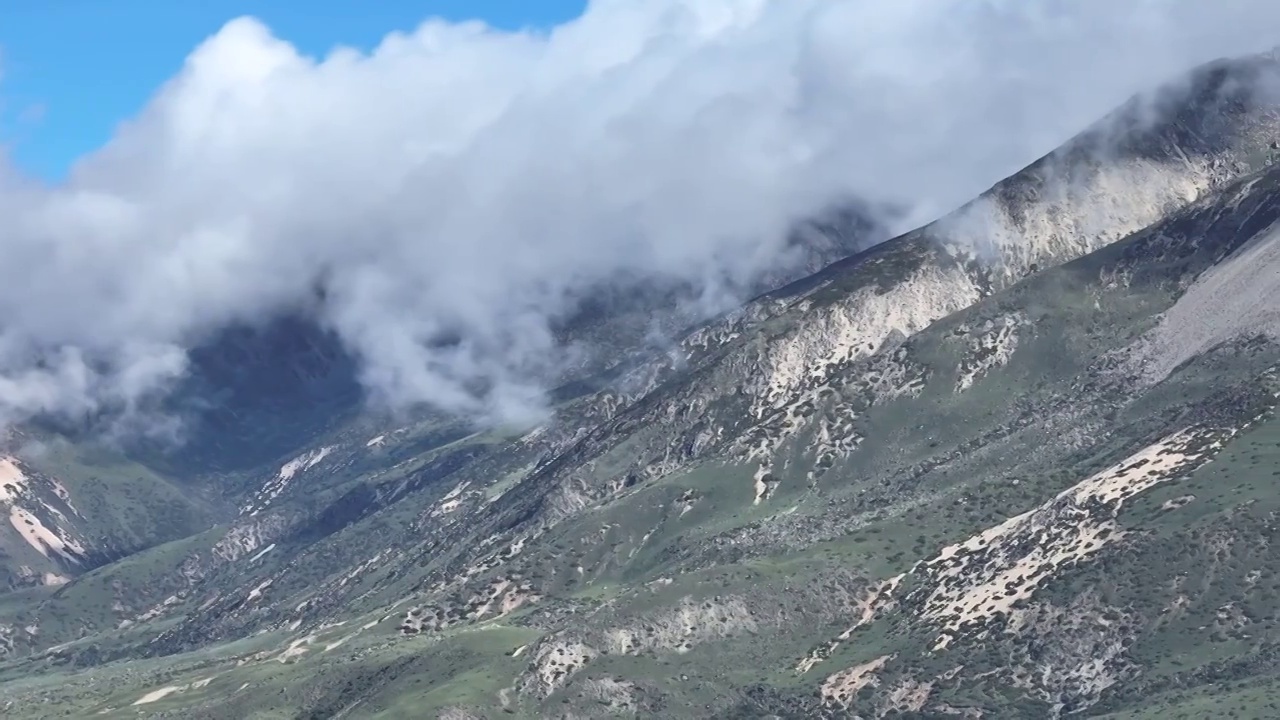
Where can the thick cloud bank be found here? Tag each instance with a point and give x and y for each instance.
(465, 183)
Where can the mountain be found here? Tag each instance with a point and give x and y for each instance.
(1019, 462)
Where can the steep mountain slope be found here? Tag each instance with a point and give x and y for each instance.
(1011, 464)
(260, 395)
(68, 509)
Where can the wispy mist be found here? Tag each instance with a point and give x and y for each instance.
(442, 200)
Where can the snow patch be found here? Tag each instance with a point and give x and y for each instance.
(451, 501)
(162, 693)
(12, 480)
(256, 593)
(247, 538)
(297, 648)
(276, 485)
(262, 552)
(44, 540)
(303, 463)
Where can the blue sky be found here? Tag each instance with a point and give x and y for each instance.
(70, 70)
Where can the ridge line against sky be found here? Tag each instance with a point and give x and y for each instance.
(72, 70)
(458, 191)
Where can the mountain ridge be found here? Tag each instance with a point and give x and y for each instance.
(942, 476)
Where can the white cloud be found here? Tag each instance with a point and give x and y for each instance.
(467, 181)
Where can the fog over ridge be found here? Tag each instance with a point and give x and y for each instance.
(471, 183)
